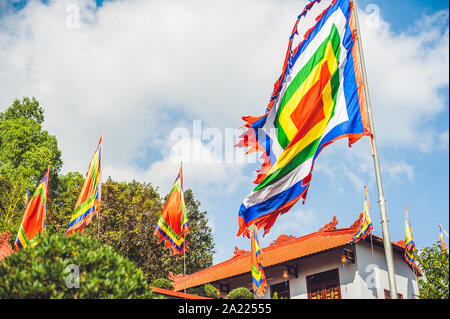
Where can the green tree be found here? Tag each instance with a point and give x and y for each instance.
(128, 216)
(26, 150)
(434, 265)
(207, 290)
(240, 293)
(162, 283)
(75, 266)
(200, 239)
(63, 198)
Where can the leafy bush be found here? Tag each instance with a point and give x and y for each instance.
(206, 290)
(433, 263)
(211, 291)
(49, 270)
(240, 293)
(162, 283)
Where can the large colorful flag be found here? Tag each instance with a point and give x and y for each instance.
(441, 239)
(33, 221)
(318, 99)
(258, 277)
(88, 202)
(366, 224)
(410, 246)
(173, 225)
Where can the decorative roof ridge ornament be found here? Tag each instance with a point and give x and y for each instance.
(331, 225)
(239, 252)
(357, 223)
(176, 277)
(400, 243)
(282, 239)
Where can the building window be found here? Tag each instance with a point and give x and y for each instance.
(387, 294)
(282, 290)
(324, 285)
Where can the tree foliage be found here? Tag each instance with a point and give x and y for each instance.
(128, 218)
(162, 283)
(434, 265)
(26, 150)
(129, 211)
(207, 290)
(240, 293)
(49, 270)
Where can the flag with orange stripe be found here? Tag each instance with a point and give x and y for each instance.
(88, 203)
(318, 99)
(33, 221)
(441, 239)
(410, 245)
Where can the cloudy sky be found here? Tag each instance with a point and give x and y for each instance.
(169, 80)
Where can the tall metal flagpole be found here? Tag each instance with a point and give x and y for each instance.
(373, 145)
(184, 264)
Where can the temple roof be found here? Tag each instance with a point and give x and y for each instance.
(283, 249)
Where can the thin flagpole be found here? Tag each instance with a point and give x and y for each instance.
(184, 265)
(100, 192)
(373, 146)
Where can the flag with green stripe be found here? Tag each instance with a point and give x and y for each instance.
(318, 99)
(173, 225)
(33, 221)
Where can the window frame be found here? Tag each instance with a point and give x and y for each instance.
(288, 289)
(322, 284)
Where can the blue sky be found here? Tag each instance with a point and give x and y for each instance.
(143, 69)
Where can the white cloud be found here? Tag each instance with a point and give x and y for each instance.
(443, 141)
(136, 69)
(400, 172)
(298, 222)
(406, 72)
(208, 176)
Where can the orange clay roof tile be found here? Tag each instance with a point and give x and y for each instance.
(283, 249)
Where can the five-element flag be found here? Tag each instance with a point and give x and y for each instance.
(33, 221)
(441, 239)
(258, 277)
(88, 202)
(410, 246)
(173, 223)
(366, 224)
(318, 99)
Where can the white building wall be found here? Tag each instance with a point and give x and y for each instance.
(365, 279)
(372, 269)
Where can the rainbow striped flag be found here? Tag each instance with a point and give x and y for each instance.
(26, 197)
(318, 99)
(258, 278)
(366, 225)
(173, 225)
(441, 239)
(410, 246)
(33, 221)
(88, 202)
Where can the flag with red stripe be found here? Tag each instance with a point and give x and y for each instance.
(318, 99)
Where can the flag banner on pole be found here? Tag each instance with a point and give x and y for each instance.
(318, 99)
(173, 225)
(88, 202)
(366, 224)
(33, 221)
(258, 277)
(441, 239)
(410, 246)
